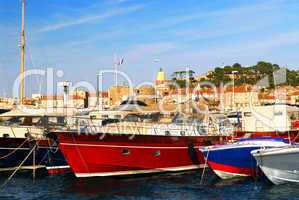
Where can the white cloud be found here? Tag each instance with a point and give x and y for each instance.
(88, 19)
(245, 51)
(147, 50)
(242, 10)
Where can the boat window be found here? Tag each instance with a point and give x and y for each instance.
(15, 121)
(56, 120)
(105, 116)
(167, 133)
(116, 116)
(131, 118)
(37, 121)
(179, 119)
(278, 113)
(294, 116)
(247, 114)
(27, 121)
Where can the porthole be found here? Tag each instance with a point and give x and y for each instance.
(167, 133)
(182, 133)
(157, 153)
(125, 152)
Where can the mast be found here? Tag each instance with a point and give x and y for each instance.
(22, 67)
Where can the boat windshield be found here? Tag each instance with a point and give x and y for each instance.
(152, 117)
(21, 121)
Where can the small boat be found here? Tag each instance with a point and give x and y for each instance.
(280, 165)
(234, 160)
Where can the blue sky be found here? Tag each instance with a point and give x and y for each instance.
(82, 37)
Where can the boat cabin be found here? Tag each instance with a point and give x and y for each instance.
(17, 123)
(269, 118)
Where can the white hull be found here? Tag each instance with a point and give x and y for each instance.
(136, 172)
(279, 165)
(226, 175)
(278, 177)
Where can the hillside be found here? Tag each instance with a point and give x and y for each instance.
(250, 75)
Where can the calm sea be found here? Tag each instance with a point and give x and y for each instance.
(182, 186)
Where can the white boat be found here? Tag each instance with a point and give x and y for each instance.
(280, 165)
(234, 160)
(20, 132)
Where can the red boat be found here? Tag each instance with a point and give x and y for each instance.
(149, 148)
(111, 155)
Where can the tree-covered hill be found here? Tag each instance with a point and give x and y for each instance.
(251, 74)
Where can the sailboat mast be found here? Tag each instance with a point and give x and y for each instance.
(22, 67)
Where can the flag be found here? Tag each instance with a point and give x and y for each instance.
(121, 62)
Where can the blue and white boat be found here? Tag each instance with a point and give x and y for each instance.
(235, 160)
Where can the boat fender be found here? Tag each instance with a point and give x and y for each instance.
(192, 154)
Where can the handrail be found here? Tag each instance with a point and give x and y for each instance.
(149, 128)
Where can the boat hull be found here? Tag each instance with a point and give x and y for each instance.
(235, 160)
(119, 154)
(13, 151)
(232, 162)
(279, 165)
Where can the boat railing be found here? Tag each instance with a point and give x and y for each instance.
(22, 131)
(145, 128)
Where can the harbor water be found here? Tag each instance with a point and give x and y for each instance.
(164, 186)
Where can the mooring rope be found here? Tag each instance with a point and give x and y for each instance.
(51, 146)
(204, 168)
(9, 154)
(295, 138)
(17, 169)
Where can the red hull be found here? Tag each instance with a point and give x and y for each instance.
(92, 155)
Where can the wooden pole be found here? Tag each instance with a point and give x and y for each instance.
(33, 174)
(22, 67)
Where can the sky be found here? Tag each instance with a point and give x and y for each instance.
(83, 37)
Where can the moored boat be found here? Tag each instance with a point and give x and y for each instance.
(280, 165)
(24, 144)
(234, 160)
(138, 144)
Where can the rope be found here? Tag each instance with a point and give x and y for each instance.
(9, 154)
(204, 168)
(294, 140)
(52, 146)
(17, 169)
